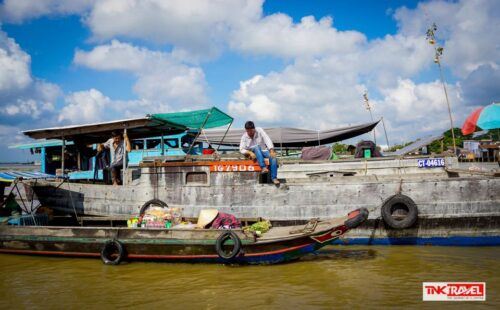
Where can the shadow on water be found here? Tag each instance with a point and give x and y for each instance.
(321, 255)
(335, 254)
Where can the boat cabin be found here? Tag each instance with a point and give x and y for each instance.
(82, 165)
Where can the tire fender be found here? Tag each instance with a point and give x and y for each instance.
(399, 202)
(156, 202)
(221, 240)
(109, 248)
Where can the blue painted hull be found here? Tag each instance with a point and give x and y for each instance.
(437, 241)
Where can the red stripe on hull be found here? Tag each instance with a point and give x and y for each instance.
(74, 254)
(145, 256)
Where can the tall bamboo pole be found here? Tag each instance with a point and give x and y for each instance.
(438, 52)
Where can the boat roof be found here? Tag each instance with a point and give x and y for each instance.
(37, 144)
(149, 126)
(291, 137)
(418, 144)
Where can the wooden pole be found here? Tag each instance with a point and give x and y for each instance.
(385, 131)
(223, 137)
(124, 170)
(63, 150)
(199, 132)
(162, 145)
(449, 107)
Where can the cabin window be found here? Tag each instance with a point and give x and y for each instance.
(172, 143)
(153, 143)
(137, 144)
(196, 178)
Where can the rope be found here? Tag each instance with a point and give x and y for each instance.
(206, 139)
(73, 204)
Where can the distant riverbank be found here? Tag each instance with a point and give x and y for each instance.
(20, 166)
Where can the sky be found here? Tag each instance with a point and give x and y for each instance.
(288, 63)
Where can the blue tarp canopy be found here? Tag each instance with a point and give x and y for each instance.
(9, 176)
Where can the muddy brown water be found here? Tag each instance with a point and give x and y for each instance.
(337, 277)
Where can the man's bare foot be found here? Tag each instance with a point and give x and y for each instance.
(264, 170)
(276, 181)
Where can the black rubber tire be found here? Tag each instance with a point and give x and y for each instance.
(358, 220)
(157, 202)
(221, 240)
(399, 202)
(108, 248)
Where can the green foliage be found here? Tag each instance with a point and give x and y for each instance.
(339, 148)
(435, 147)
(399, 146)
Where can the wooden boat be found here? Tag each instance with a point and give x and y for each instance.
(112, 244)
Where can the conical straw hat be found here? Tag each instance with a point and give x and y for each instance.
(206, 217)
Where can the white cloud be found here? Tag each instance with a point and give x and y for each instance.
(22, 96)
(469, 29)
(15, 65)
(328, 69)
(278, 35)
(20, 10)
(90, 106)
(413, 110)
(84, 107)
(196, 28)
(326, 90)
(160, 77)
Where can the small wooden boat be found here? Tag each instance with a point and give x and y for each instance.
(115, 244)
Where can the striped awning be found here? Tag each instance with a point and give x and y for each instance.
(9, 176)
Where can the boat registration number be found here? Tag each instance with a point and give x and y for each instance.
(431, 163)
(234, 168)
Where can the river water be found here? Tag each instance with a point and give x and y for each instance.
(337, 277)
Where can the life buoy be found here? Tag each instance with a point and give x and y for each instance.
(222, 239)
(399, 212)
(155, 202)
(113, 252)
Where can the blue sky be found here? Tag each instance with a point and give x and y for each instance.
(293, 63)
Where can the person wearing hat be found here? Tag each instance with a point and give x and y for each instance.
(257, 145)
(117, 144)
(212, 218)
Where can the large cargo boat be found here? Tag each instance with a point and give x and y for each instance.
(411, 200)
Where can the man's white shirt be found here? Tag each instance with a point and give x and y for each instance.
(260, 138)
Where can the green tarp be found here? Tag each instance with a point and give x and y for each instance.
(208, 118)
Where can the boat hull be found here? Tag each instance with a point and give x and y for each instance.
(175, 245)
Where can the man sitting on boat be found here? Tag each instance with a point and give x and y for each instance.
(117, 144)
(256, 144)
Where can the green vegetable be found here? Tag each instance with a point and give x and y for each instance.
(259, 227)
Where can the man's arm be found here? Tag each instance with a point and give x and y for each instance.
(267, 140)
(243, 146)
(244, 150)
(105, 145)
(128, 146)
